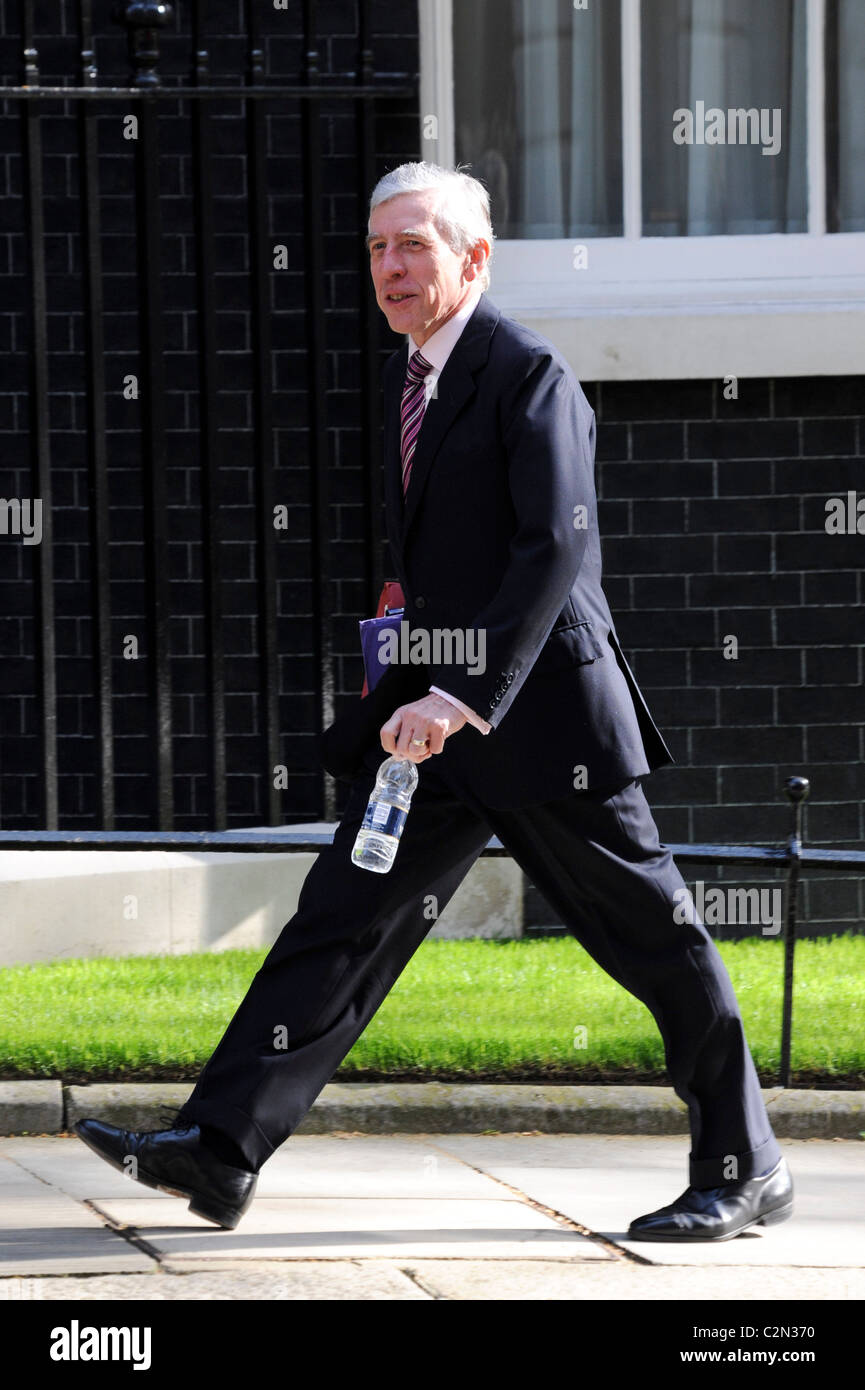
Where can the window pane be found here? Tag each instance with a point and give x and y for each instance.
(537, 106)
(845, 116)
(704, 61)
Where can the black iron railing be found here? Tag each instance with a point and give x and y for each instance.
(289, 840)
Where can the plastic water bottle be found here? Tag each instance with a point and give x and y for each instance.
(378, 838)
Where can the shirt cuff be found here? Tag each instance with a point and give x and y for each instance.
(474, 719)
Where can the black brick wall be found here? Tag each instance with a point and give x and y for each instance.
(713, 521)
(394, 26)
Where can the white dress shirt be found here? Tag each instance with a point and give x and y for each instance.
(437, 350)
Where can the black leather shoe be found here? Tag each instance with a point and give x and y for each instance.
(175, 1161)
(719, 1213)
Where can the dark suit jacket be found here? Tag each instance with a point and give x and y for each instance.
(499, 533)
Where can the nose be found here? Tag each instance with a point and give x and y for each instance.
(390, 263)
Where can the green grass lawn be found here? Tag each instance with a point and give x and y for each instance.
(472, 1010)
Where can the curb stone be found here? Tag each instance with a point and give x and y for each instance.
(31, 1107)
(48, 1107)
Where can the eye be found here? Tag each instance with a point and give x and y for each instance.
(409, 241)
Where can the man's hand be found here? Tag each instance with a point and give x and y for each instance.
(430, 720)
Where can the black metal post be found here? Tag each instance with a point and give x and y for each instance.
(144, 17)
(40, 448)
(211, 448)
(319, 511)
(261, 310)
(97, 477)
(369, 326)
(797, 790)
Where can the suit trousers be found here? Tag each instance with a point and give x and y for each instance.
(596, 858)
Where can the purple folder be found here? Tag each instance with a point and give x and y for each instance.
(373, 651)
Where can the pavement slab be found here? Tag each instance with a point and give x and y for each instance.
(43, 1231)
(456, 1280)
(348, 1280)
(348, 1228)
(621, 1280)
(366, 1166)
(605, 1186)
(423, 1216)
(327, 1196)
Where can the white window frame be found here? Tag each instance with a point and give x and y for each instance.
(782, 304)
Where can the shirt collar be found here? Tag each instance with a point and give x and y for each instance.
(439, 347)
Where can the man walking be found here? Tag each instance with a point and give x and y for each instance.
(492, 527)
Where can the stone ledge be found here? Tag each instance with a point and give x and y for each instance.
(436, 1107)
(69, 904)
(31, 1107)
(818, 1114)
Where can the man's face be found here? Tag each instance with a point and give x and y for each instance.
(409, 258)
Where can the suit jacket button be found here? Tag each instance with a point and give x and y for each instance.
(420, 603)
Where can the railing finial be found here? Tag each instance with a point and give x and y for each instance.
(143, 18)
(797, 788)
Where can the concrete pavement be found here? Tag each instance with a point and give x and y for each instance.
(423, 1217)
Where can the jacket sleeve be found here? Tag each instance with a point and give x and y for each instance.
(548, 432)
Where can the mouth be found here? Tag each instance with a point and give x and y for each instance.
(397, 298)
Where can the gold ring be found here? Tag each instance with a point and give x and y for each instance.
(420, 742)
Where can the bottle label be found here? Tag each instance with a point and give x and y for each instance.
(384, 818)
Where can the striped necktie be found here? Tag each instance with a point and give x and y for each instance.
(412, 411)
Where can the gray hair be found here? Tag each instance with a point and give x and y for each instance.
(462, 210)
